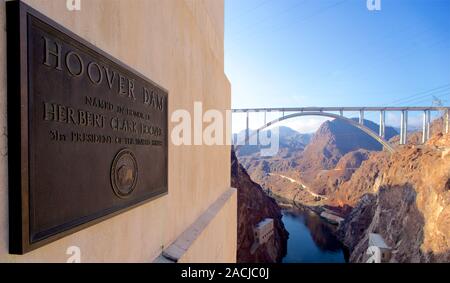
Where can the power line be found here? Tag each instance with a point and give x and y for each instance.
(317, 12)
(359, 52)
(258, 23)
(421, 94)
(302, 20)
(428, 96)
(428, 99)
(250, 10)
(398, 52)
(412, 100)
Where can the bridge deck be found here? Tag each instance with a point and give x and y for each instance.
(335, 109)
(325, 111)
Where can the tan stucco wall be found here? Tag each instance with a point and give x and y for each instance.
(179, 45)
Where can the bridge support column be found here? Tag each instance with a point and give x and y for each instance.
(361, 117)
(447, 122)
(265, 118)
(425, 126)
(247, 129)
(382, 124)
(257, 137)
(341, 112)
(404, 127)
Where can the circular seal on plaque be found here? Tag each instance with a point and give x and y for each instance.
(124, 173)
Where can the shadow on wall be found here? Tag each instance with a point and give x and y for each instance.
(392, 213)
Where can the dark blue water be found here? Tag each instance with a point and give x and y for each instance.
(311, 239)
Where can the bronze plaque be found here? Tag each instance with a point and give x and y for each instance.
(88, 135)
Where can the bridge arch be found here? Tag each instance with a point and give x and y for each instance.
(365, 129)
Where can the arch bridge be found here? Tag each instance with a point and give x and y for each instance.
(339, 113)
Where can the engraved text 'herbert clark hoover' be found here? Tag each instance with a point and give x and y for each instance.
(98, 74)
(68, 115)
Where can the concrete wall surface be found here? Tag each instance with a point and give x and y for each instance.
(179, 45)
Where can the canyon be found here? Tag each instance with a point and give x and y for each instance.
(342, 172)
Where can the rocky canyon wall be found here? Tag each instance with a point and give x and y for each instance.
(407, 202)
(253, 207)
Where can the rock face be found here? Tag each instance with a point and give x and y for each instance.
(365, 180)
(332, 141)
(406, 201)
(253, 207)
(352, 160)
(328, 182)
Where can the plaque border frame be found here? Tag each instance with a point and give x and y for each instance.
(20, 241)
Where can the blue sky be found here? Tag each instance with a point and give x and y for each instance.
(336, 53)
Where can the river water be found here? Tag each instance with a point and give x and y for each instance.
(311, 239)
